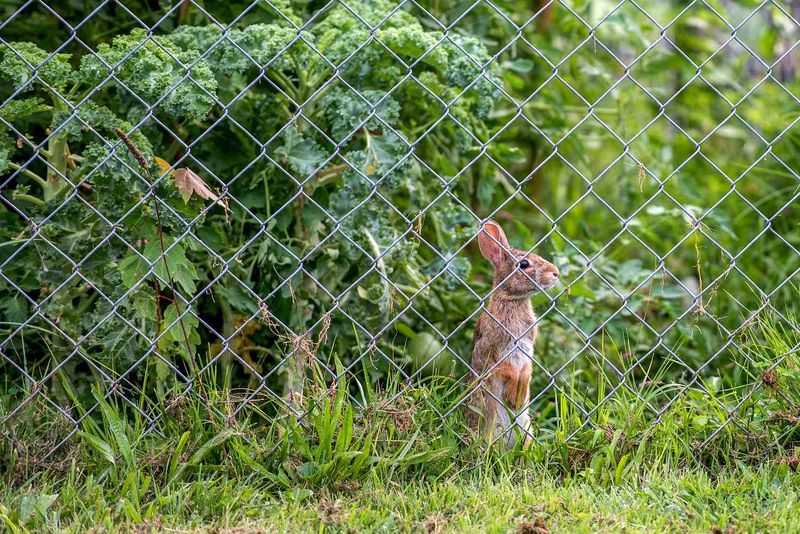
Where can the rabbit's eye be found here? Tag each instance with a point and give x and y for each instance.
(524, 264)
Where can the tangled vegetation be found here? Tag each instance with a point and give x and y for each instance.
(316, 191)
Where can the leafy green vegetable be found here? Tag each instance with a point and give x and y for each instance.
(23, 62)
(155, 72)
(6, 149)
(22, 108)
(301, 154)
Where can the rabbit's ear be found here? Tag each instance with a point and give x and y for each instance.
(492, 242)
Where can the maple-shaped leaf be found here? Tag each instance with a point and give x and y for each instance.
(174, 264)
(189, 183)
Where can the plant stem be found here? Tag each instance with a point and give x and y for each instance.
(57, 158)
(29, 198)
(302, 78)
(286, 84)
(227, 331)
(376, 249)
(160, 228)
(30, 174)
(267, 205)
(326, 176)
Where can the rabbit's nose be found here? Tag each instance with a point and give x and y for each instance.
(553, 273)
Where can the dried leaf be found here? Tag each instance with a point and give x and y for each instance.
(189, 183)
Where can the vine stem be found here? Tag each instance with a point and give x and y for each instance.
(140, 159)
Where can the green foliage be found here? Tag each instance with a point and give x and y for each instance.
(391, 456)
(6, 145)
(374, 127)
(239, 50)
(154, 72)
(353, 167)
(172, 264)
(301, 155)
(15, 110)
(20, 62)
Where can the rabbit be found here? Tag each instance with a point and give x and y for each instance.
(502, 346)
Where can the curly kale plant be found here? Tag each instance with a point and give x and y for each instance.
(331, 149)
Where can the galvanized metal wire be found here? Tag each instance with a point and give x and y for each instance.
(116, 150)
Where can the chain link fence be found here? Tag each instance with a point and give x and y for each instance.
(263, 198)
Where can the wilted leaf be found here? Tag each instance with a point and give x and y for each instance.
(189, 183)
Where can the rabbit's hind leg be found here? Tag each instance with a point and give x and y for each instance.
(514, 381)
(521, 408)
(501, 418)
(483, 411)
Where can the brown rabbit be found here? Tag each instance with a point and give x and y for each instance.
(502, 347)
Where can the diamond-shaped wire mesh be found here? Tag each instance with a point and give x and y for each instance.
(259, 197)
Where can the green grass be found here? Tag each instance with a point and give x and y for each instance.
(386, 470)
(389, 462)
(749, 500)
(687, 501)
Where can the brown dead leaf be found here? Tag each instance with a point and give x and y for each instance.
(770, 378)
(189, 183)
(435, 523)
(537, 526)
(792, 461)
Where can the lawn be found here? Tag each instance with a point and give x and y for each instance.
(526, 500)
(393, 464)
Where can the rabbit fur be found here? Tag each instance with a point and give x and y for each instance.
(502, 346)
